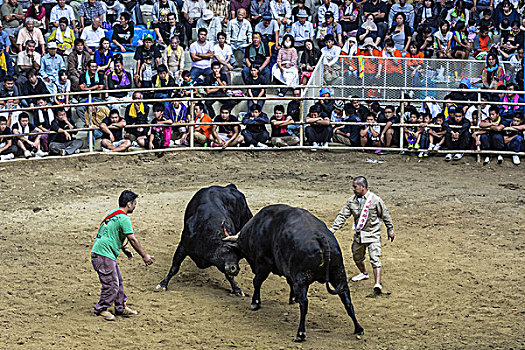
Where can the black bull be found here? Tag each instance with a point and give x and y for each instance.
(210, 212)
(293, 243)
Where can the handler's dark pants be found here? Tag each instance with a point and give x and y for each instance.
(112, 291)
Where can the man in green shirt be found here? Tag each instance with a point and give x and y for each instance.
(113, 231)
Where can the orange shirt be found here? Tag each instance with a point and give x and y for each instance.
(204, 129)
(392, 65)
(370, 64)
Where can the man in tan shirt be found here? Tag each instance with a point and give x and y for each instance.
(368, 210)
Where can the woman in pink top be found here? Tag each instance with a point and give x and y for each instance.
(285, 70)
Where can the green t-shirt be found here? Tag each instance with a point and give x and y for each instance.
(111, 235)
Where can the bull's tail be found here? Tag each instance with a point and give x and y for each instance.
(326, 258)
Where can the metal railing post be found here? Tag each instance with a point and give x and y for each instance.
(90, 122)
(301, 126)
(192, 119)
(478, 157)
(402, 129)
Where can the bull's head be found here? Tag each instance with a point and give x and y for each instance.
(230, 253)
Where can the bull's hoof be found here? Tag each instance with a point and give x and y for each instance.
(291, 301)
(238, 292)
(301, 336)
(255, 306)
(160, 286)
(359, 331)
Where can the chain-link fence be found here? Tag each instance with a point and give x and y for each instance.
(389, 77)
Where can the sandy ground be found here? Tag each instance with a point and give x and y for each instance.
(453, 277)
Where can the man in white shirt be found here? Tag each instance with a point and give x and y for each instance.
(302, 30)
(201, 53)
(192, 10)
(224, 55)
(325, 7)
(63, 10)
(330, 56)
(92, 35)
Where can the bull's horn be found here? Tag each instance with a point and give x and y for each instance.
(226, 234)
(231, 238)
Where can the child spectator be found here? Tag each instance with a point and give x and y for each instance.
(482, 43)
(255, 133)
(370, 134)
(29, 146)
(202, 134)
(159, 136)
(161, 80)
(491, 137)
(225, 135)
(218, 80)
(422, 140)
(436, 135)
(62, 87)
(456, 138)
(112, 140)
(146, 72)
(280, 134)
(514, 138)
(411, 131)
(255, 93)
(178, 113)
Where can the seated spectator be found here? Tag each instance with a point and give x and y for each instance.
(512, 40)
(505, 12)
(348, 135)
(103, 55)
(61, 10)
(221, 9)
(368, 30)
(401, 32)
(458, 45)
(411, 131)
(482, 43)
(309, 60)
(493, 75)
(88, 12)
(166, 31)
(6, 64)
(389, 134)
(98, 114)
(42, 118)
(406, 9)
(136, 114)
(466, 94)
(329, 27)
(224, 55)
(123, 32)
(61, 87)
(425, 42)
(349, 16)
(330, 54)
(255, 134)
(111, 128)
(118, 78)
(443, 36)
(236, 5)
(257, 53)
(34, 86)
(77, 62)
(427, 16)
(301, 5)
(238, 34)
(327, 106)
(202, 134)
(507, 111)
(302, 30)
(12, 17)
(423, 136)
(327, 6)
(50, 65)
(4, 38)
(370, 133)
(513, 137)
(414, 65)
(148, 48)
(269, 30)
(490, 137)
(217, 79)
(159, 13)
(159, 136)
(338, 113)
(257, 10)
(436, 135)
(294, 110)
(91, 80)
(29, 32)
(7, 147)
(191, 11)
(201, 53)
(318, 132)
(63, 142)
(281, 136)
(161, 80)
(212, 24)
(456, 139)
(28, 145)
(285, 70)
(225, 135)
(93, 34)
(255, 93)
(64, 37)
(173, 58)
(133, 7)
(10, 89)
(178, 113)
(188, 82)
(282, 13)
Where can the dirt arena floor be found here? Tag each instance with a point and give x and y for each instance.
(453, 277)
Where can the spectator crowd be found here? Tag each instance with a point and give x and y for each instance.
(61, 46)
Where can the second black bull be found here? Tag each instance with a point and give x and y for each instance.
(211, 212)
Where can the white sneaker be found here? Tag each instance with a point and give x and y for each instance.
(516, 160)
(378, 288)
(448, 157)
(252, 146)
(458, 156)
(2, 158)
(486, 161)
(261, 145)
(27, 154)
(360, 277)
(315, 144)
(324, 145)
(500, 159)
(134, 144)
(40, 153)
(106, 150)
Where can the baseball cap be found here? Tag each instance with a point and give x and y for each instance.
(147, 37)
(267, 16)
(52, 45)
(328, 14)
(339, 104)
(207, 15)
